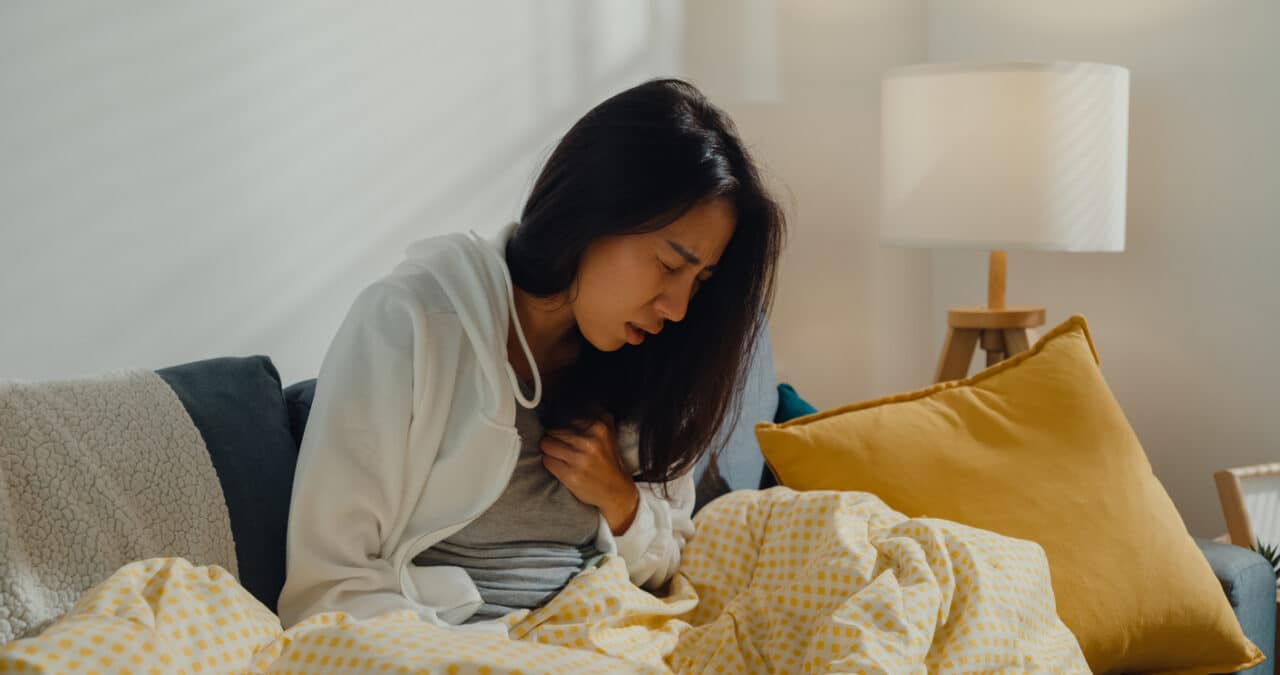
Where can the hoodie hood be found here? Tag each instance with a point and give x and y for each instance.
(471, 272)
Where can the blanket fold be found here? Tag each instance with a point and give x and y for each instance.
(773, 581)
(96, 473)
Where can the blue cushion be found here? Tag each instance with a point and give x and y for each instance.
(1250, 584)
(740, 461)
(790, 406)
(237, 405)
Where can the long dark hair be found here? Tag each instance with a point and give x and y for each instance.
(635, 163)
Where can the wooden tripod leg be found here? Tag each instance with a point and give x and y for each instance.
(1017, 340)
(993, 345)
(957, 351)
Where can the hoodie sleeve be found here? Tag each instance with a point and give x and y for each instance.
(351, 480)
(652, 544)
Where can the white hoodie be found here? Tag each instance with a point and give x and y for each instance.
(412, 435)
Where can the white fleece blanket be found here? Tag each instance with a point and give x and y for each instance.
(96, 473)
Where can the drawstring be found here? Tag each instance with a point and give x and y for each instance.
(515, 318)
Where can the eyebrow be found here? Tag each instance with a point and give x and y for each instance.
(688, 255)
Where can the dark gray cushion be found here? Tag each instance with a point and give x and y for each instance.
(298, 397)
(238, 407)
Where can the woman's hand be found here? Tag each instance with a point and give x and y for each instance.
(587, 462)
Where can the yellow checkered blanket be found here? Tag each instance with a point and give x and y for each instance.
(773, 581)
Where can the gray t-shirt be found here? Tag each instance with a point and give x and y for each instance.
(528, 545)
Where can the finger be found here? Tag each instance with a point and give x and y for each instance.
(564, 435)
(559, 449)
(555, 464)
(594, 429)
(557, 467)
(599, 429)
(579, 427)
(573, 440)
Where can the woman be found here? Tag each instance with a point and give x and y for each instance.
(493, 416)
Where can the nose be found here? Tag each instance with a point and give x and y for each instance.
(673, 302)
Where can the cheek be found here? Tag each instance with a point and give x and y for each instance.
(612, 287)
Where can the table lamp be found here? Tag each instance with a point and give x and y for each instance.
(1002, 156)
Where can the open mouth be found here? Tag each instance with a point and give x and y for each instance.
(635, 335)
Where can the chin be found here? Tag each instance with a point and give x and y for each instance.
(605, 345)
(611, 346)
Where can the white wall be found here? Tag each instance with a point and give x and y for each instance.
(186, 180)
(1185, 319)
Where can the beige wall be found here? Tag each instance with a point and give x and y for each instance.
(187, 181)
(851, 319)
(1185, 319)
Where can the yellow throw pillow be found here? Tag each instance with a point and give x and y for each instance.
(1036, 447)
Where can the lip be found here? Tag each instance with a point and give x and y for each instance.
(635, 335)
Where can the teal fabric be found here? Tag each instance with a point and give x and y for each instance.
(1250, 585)
(790, 406)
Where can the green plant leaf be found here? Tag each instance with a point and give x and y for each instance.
(1271, 552)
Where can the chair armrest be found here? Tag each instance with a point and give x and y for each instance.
(1250, 585)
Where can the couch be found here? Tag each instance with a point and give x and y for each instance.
(252, 426)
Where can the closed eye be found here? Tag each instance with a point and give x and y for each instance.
(702, 278)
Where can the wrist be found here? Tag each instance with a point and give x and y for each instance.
(623, 512)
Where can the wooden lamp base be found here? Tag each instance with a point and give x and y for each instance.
(1002, 331)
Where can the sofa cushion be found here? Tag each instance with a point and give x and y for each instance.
(237, 405)
(298, 398)
(739, 463)
(1037, 448)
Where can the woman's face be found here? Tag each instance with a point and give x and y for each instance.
(629, 285)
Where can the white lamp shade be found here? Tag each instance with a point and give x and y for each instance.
(1008, 156)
